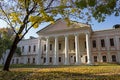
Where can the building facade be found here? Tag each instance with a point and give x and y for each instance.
(60, 44)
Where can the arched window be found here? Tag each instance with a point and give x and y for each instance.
(28, 60)
(104, 58)
(33, 60)
(113, 58)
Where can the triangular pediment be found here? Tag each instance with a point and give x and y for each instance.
(61, 25)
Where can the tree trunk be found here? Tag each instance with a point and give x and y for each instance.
(10, 55)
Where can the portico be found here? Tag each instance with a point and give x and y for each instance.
(65, 44)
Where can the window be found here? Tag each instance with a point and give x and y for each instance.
(29, 48)
(28, 60)
(104, 59)
(74, 58)
(44, 60)
(94, 43)
(86, 59)
(113, 58)
(34, 48)
(85, 44)
(44, 47)
(33, 60)
(22, 48)
(74, 45)
(50, 59)
(95, 58)
(50, 46)
(111, 42)
(13, 61)
(59, 59)
(102, 43)
(17, 61)
(59, 46)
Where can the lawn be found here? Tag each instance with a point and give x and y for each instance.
(32, 72)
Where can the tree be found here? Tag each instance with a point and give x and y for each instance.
(22, 15)
(5, 41)
(6, 37)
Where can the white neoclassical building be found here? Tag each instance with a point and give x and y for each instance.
(59, 44)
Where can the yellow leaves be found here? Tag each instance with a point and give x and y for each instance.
(73, 10)
(36, 25)
(35, 19)
(20, 35)
(52, 22)
(68, 21)
(15, 17)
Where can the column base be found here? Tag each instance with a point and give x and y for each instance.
(55, 63)
(66, 63)
(46, 64)
(89, 63)
(77, 64)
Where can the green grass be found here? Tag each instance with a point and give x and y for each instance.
(36, 72)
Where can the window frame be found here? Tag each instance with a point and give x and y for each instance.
(102, 43)
(94, 44)
(112, 42)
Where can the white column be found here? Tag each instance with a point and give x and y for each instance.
(56, 51)
(66, 51)
(108, 49)
(47, 50)
(99, 53)
(99, 57)
(39, 51)
(77, 51)
(117, 47)
(89, 56)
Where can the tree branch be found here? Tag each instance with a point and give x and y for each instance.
(7, 19)
(27, 31)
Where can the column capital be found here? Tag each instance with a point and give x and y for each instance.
(66, 35)
(76, 34)
(47, 37)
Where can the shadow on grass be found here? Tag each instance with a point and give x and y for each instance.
(71, 76)
(56, 66)
(55, 75)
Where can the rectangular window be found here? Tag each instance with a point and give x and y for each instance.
(34, 48)
(104, 58)
(50, 46)
(74, 45)
(102, 43)
(85, 44)
(74, 58)
(95, 58)
(94, 43)
(59, 59)
(28, 60)
(50, 59)
(59, 46)
(17, 61)
(111, 42)
(44, 60)
(13, 61)
(29, 48)
(86, 59)
(22, 48)
(44, 47)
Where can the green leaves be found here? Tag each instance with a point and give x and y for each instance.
(81, 4)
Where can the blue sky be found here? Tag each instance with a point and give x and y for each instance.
(108, 24)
